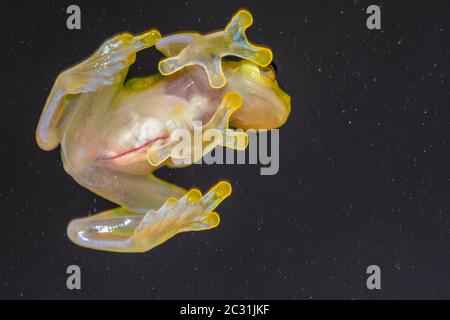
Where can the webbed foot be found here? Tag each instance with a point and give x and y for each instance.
(208, 51)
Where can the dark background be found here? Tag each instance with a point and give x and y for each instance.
(364, 158)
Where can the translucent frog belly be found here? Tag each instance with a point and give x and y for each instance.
(134, 126)
(140, 120)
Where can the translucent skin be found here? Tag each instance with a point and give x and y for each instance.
(114, 135)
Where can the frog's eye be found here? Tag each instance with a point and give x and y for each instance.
(269, 72)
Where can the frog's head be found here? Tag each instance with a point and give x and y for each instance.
(265, 105)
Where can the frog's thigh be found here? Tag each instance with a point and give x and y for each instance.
(138, 193)
(141, 193)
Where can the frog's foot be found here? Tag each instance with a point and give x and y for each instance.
(120, 230)
(182, 148)
(193, 212)
(217, 131)
(108, 64)
(208, 51)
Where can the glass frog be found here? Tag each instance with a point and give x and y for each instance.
(114, 135)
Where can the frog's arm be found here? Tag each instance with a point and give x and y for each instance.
(207, 51)
(106, 67)
(121, 230)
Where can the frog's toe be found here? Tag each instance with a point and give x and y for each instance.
(220, 121)
(170, 65)
(211, 221)
(213, 69)
(157, 156)
(206, 218)
(215, 196)
(146, 39)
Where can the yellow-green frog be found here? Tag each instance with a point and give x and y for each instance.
(114, 135)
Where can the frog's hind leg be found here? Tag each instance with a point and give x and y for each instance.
(121, 230)
(137, 193)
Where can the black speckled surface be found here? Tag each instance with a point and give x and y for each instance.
(365, 163)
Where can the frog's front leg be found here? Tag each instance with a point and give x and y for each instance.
(187, 49)
(121, 230)
(107, 67)
(214, 133)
